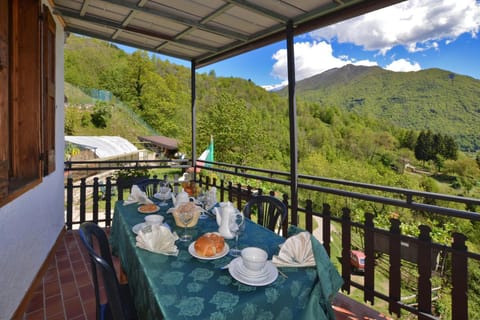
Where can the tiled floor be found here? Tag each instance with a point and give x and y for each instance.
(66, 291)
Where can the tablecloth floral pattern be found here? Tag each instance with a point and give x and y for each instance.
(184, 287)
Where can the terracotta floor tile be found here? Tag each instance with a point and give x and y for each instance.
(51, 288)
(37, 315)
(69, 290)
(75, 307)
(54, 305)
(36, 303)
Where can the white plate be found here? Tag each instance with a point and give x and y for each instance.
(269, 276)
(191, 250)
(148, 211)
(136, 228)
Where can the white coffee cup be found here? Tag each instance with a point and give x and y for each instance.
(254, 259)
(153, 219)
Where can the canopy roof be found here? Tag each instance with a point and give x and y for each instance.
(204, 31)
(161, 141)
(103, 146)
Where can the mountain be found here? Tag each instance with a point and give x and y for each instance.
(433, 99)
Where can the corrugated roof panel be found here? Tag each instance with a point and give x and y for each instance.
(103, 146)
(245, 25)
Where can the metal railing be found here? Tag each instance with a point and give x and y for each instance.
(332, 206)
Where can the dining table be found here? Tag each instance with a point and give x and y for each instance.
(186, 286)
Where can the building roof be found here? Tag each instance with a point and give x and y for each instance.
(204, 31)
(164, 142)
(103, 146)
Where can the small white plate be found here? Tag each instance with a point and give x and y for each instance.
(191, 250)
(136, 228)
(269, 276)
(148, 211)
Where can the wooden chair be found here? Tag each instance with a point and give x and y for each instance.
(271, 212)
(120, 304)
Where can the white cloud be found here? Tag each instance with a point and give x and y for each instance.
(403, 65)
(418, 25)
(415, 24)
(311, 59)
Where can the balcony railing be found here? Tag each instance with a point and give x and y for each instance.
(350, 215)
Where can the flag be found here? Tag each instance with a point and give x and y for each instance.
(207, 155)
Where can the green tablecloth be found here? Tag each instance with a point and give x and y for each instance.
(184, 287)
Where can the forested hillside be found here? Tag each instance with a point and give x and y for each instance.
(250, 125)
(432, 99)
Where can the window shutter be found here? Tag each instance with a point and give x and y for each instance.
(48, 104)
(4, 89)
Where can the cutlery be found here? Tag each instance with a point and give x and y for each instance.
(282, 274)
(225, 266)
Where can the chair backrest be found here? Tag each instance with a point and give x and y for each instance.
(101, 259)
(150, 186)
(271, 212)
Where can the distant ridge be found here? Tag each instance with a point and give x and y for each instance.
(433, 99)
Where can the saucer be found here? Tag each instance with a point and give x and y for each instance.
(193, 252)
(267, 276)
(256, 275)
(136, 228)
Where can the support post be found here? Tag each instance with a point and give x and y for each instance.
(292, 112)
(194, 118)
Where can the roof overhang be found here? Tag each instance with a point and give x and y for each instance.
(204, 31)
(160, 141)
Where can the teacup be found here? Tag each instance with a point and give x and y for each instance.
(153, 219)
(254, 259)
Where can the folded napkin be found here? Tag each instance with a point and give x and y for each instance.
(319, 305)
(296, 252)
(159, 240)
(137, 196)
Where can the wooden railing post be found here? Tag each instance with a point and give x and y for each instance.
(69, 217)
(108, 201)
(309, 215)
(394, 292)
(459, 277)
(286, 222)
(346, 243)
(83, 198)
(369, 273)
(326, 226)
(424, 271)
(95, 200)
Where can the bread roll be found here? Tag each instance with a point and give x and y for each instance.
(209, 244)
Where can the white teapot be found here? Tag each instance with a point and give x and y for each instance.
(224, 215)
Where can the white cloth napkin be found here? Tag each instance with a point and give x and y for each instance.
(296, 251)
(137, 196)
(159, 240)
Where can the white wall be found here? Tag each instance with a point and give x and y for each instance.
(30, 224)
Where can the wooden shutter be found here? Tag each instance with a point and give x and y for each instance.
(4, 89)
(48, 92)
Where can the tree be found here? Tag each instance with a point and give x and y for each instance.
(100, 115)
(237, 131)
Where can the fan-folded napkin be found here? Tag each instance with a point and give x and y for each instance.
(137, 196)
(159, 240)
(296, 251)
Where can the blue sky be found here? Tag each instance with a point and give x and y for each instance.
(411, 36)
